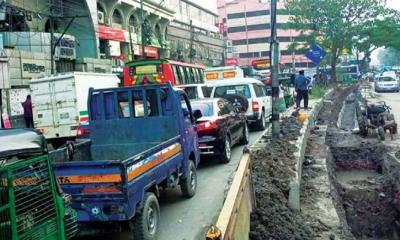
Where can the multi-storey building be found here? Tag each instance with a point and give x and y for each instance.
(97, 36)
(247, 26)
(193, 34)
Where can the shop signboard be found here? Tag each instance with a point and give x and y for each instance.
(32, 68)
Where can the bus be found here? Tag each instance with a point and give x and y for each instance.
(219, 73)
(161, 71)
(259, 69)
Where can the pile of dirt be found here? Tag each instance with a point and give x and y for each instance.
(273, 167)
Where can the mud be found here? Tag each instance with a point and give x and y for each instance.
(273, 167)
(365, 200)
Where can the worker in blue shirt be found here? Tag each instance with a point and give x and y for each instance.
(301, 86)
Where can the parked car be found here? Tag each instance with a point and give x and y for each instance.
(196, 91)
(220, 127)
(259, 98)
(386, 83)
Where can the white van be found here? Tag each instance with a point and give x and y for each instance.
(258, 96)
(59, 102)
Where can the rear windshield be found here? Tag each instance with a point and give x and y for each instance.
(386, 79)
(191, 92)
(235, 89)
(206, 108)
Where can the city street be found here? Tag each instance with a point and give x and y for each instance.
(187, 218)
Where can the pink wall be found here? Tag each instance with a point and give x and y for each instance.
(253, 5)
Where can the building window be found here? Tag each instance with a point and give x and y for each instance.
(117, 19)
(236, 29)
(258, 27)
(246, 55)
(239, 42)
(235, 15)
(133, 23)
(101, 14)
(265, 53)
(258, 40)
(257, 13)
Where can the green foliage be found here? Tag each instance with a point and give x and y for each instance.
(339, 25)
(318, 92)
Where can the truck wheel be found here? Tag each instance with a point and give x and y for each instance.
(145, 224)
(189, 184)
(245, 137)
(227, 152)
(261, 125)
(381, 133)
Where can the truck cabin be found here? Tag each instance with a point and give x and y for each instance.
(126, 122)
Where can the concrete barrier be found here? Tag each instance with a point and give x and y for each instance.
(234, 218)
(301, 143)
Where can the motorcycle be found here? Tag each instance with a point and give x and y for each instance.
(376, 116)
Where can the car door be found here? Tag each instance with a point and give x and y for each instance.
(236, 120)
(190, 131)
(225, 116)
(267, 99)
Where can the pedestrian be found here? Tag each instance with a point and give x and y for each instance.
(28, 116)
(301, 86)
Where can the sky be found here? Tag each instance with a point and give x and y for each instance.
(374, 57)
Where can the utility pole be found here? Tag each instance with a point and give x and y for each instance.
(51, 21)
(274, 52)
(191, 51)
(142, 29)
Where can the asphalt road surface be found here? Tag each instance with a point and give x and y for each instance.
(187, 219)
(393, 100)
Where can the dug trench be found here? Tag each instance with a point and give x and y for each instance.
(350, 186)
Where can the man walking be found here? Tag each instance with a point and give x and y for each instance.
(301, 86)
(28, 116)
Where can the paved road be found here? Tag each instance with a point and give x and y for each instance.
(393, 100)
(186, 219)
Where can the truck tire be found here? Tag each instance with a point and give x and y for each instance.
(145, 224)
(261, 124)
(189, 184)
(245, 137)
(227, 151)
(381, 133)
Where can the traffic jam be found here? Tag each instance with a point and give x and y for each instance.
(102, 150)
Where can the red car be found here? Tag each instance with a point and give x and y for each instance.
(220, 127)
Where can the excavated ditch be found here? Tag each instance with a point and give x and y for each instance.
(366, 187)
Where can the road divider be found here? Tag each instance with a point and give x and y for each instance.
(234, 219)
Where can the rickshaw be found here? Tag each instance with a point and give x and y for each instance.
(31, 203)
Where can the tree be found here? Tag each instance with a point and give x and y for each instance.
(334, 24)
(389, 57)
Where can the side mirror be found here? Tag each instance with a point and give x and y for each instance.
(197, 114)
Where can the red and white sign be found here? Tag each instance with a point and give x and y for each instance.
(151, 52)
(111, 33)
(231, 62)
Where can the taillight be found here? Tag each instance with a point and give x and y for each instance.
(100, 189)
(82, 131)
(255, 106)
(205, 126)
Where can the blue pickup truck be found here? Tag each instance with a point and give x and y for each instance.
(142, 140)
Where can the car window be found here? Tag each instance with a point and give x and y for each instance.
(259, 90)
(206, 108)
(386, 79)
(191, 92)
(235, 89)
(206, 91)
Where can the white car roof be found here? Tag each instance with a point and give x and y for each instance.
(236, 81)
